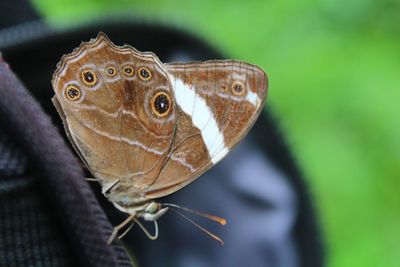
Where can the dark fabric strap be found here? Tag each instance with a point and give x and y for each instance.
(59, 173)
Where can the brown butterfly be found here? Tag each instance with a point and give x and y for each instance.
(146, 129)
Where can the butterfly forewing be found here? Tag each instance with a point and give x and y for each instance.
(112, 124)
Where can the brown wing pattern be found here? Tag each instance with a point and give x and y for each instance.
(153, 127)
(229, 94)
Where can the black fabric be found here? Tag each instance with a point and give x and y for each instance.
(13, 159)
(42, 185)
(28, 229)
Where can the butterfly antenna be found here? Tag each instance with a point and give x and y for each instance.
(199, 227)
(214, 218)
(152, 237)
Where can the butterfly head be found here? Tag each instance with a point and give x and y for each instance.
(153, 211)
(150, 211)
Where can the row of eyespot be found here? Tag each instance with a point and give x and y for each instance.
(73, 93)
(90, 78)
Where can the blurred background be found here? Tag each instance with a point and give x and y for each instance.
(334, 78)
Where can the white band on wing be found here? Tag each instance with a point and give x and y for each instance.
(202, 117)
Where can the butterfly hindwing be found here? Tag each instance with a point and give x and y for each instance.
(217, 103)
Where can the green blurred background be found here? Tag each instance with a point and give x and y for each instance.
(334, 88)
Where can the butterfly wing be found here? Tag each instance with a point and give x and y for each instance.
(217, 104)
(153, 127)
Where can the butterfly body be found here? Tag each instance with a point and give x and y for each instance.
(146, 129)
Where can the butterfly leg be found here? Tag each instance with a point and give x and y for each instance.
(126, 231)
(108, 186)
(92, 179)
(119, 227)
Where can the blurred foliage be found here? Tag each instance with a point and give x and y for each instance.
(335, 87)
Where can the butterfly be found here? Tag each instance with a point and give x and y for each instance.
(145, 129)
